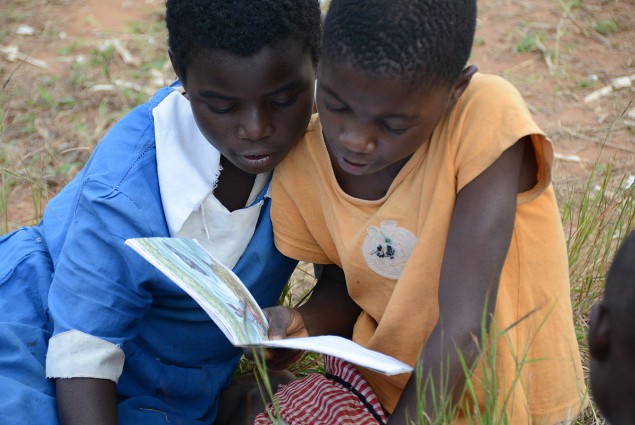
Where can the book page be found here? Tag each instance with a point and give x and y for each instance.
(345, 349)
(212, 285)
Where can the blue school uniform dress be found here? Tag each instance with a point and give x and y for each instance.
(76, 302)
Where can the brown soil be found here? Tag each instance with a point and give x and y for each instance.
(573, 61)
(568, 54)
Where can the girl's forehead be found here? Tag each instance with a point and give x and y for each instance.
(244, 75)
(348, 82)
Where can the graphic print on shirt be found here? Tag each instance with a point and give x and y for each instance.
(387, 248)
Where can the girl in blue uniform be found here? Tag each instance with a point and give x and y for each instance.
(121, 342)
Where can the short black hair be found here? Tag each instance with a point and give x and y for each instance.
(241, 27)
(619, 293)
(425, 42)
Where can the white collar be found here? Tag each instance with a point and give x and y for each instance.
(187, 164)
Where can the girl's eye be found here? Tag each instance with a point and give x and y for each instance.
(220, 110)
(334, 108)
(286, 102)
(393, 130)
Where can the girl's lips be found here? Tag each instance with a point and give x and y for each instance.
(260, 161)
(256, 157)
(353, 167)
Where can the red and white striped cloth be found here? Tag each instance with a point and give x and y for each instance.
(340, 397)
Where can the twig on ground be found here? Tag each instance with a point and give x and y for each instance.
(13, 53)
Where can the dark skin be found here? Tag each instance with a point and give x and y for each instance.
(610, 337)
(234, 186)
(612, 363)
(86, 401)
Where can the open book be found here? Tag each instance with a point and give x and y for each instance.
(234, 310)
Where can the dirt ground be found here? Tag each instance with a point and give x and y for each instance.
(573, 55)
(571, 59)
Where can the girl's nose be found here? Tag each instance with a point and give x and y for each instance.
(255, 125)
(358, 139)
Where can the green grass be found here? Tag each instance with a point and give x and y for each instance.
(605, 26)
(528, 42)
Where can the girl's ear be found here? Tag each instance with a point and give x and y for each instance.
(599, 332)
(462, 83)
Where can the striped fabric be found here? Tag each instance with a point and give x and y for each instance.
(340, 397)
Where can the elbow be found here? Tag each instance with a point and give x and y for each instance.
(466, 342)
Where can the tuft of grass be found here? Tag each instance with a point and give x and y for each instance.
(597, 218)
(102, 57)
(571, 5)
(597, 215)
(298, 290)
(583, 84)
(605, 26)
(528, 43)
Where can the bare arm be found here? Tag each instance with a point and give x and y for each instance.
(330, 310)
(86, 401)
(478, 241)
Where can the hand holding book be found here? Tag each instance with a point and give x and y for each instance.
(234, 310)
